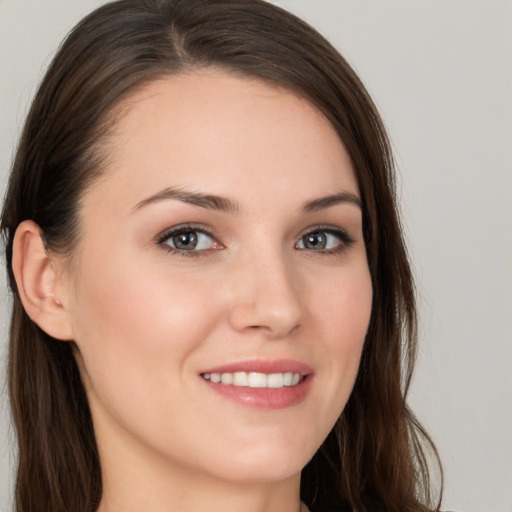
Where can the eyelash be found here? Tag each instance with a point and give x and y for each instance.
(185, 228)
(346, 240)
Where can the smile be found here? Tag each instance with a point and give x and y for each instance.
(255, 379)
(259, 383)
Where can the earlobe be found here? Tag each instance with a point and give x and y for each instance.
(36, 279)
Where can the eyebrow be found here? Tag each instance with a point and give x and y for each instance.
(223, 204)
(326, 202)
(208, 201)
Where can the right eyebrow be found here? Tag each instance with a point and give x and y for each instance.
(208, 201)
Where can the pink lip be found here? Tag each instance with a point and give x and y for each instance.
(263, 366)
(264, 398)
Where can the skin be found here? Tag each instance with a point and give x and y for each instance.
(147, 321)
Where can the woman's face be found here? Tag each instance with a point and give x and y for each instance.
(224, 242)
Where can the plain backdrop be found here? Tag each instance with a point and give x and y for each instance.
(440, 72)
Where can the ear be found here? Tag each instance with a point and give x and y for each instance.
(36, 273)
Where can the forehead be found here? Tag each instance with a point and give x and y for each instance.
(227, 135)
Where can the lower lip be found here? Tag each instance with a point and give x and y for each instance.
(264, 398)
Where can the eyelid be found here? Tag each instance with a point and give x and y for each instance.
(166, 233)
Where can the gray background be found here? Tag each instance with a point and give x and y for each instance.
(441, 73)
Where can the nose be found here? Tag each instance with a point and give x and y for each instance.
(267, 298)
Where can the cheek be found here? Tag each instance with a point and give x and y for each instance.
(139, 326)
(343, 316)
(134, 326)
(350, 315)
(343, 306)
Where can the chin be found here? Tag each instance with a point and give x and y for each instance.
(265, 465)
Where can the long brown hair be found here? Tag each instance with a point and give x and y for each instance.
(376, 457)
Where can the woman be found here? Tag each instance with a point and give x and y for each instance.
(213, 306)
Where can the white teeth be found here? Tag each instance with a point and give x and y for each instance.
(240, 379)
(255, 379)
(227, 378)
(275, 380)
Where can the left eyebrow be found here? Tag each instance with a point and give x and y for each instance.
(328, 201)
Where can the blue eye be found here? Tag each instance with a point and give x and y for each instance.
(328, 240)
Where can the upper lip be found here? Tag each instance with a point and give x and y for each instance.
(263, 366)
